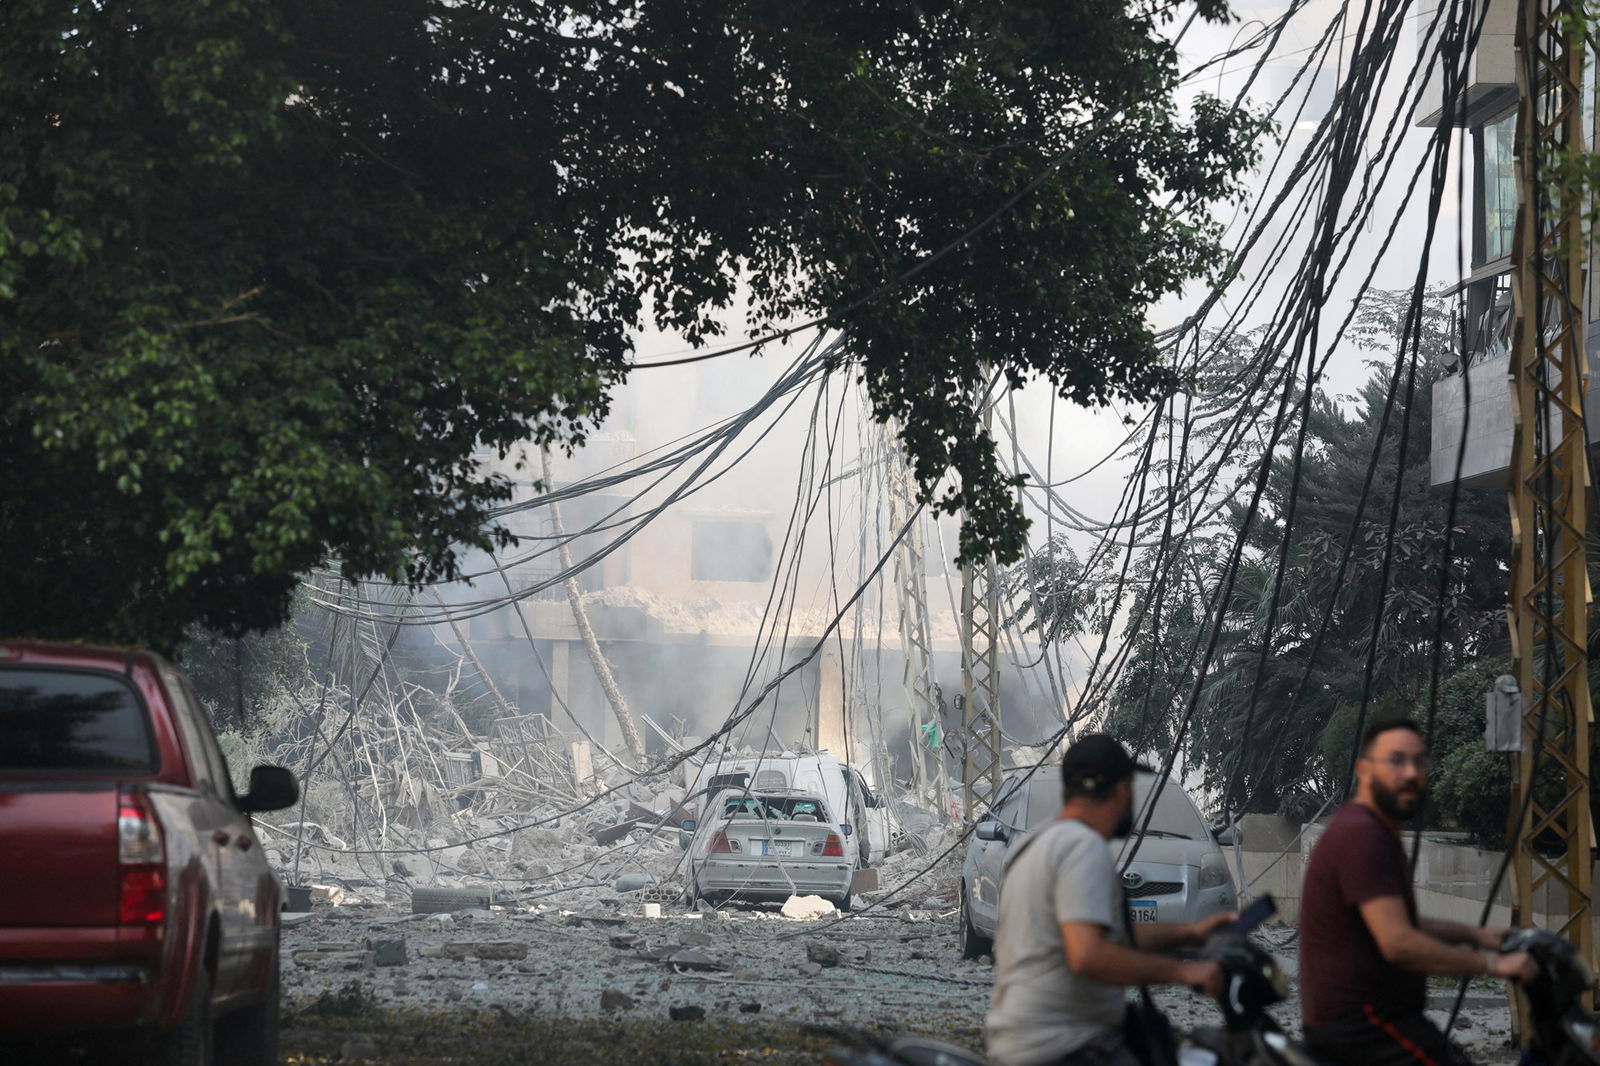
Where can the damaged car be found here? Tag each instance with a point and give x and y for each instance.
(1178, 873)
(765, 847)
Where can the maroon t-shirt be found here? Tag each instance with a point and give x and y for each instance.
(1356, 859)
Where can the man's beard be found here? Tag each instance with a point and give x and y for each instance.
(1401, 806)
(1124, 824)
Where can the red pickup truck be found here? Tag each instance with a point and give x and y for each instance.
(135, 904)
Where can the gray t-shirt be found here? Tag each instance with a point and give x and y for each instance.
(1040, 1009)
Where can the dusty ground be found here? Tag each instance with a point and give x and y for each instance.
(593, 979)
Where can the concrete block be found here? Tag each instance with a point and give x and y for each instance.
(388, 952)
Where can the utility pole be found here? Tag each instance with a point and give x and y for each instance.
(980, 675)
(1549, 592)
(911, 595)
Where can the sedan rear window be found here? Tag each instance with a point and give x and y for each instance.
(63, 720)
(775, 808)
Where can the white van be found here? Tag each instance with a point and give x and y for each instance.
(875, 833)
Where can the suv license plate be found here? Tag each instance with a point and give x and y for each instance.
(1141, 910)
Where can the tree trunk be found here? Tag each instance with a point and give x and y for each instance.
(602, 669)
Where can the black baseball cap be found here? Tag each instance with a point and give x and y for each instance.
(1096, 760)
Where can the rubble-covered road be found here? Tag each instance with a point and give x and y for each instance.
(607, 983)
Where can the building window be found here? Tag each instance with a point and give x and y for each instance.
(1497, 177)
(731, 550)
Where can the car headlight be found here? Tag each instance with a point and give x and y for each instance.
(1214, 871)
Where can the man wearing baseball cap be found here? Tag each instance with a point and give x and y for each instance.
(1061, 953)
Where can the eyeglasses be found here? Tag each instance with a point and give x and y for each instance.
(1398, 763)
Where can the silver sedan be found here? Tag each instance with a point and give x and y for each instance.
(767, 846)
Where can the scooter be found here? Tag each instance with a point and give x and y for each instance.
(1562, 1032)
(1252, 981)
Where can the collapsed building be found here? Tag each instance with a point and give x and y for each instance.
(664, 612)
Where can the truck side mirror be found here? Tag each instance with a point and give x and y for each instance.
(272, 788)
(688, 825)
(1226, 835)
(989, 829)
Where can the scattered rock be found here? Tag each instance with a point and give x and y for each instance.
(625, 941)
(358, 1048)
(1464, 1022)
(822, 954)
(807, 907)
(687, 1014)
(611, 999)
(811, 969)
(749, 1008)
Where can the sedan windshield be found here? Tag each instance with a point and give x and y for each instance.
(1175, 815)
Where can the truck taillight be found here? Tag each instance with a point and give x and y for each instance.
(141, 862)
(142, 899)
(834, 846)
(719, 844)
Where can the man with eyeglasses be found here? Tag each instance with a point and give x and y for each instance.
(1365, 954)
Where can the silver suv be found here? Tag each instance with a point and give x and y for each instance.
(1179, 873)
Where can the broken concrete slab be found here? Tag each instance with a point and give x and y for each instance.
(340, 959)
(432, 899)
(291, 919)
(690, 959)
(487, 950)
(612, 833)
(864, 880)
(807, 907)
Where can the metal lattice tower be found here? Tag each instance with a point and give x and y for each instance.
(1549, 592)
(980, 678)
(911, 596)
